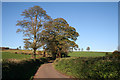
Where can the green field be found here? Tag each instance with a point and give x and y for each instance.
(87, 54)
(8, 55)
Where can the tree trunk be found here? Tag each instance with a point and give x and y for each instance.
(34, 42)
(60, 55)
(34, 54)
(44, 54)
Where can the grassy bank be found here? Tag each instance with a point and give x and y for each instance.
(20, 69)
(87, 54)
(89, 68)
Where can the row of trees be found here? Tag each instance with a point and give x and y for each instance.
(88, 49)
(40, 30)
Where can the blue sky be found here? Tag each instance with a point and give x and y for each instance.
(60, 0)
(97, 23)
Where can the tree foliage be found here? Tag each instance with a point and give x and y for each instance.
(59, 37)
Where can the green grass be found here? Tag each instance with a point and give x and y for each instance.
(87, 54)
(8, 55)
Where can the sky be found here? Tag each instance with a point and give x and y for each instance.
(96, 22)
(59, 0)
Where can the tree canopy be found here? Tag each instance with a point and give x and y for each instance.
(58, 36)
(88, 48)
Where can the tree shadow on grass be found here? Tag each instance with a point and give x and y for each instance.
(24, 70)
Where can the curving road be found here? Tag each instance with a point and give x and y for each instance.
(47, 71)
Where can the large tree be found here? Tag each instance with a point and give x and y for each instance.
(32, 25)
(59, 37)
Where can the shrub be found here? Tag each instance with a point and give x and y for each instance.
(116, 54)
